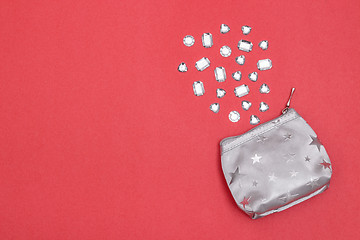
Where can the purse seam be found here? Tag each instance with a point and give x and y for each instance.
(260, 132)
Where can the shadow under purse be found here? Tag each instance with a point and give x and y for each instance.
(276, 165)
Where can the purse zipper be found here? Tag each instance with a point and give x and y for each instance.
(288, 103)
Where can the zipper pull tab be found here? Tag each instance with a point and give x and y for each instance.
(288, 103)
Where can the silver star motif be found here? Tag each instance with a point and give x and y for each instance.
(293, 173)
(287, 137)
(261, 139)
(316, 142)
(235, 176)
(272, 177)
(255, 183)
(307, 159)
(313, 182)
(289, 157)
(287, 196)
(256, 158)
(326, 164)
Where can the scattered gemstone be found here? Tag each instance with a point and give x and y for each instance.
(182, 67)
(263, 107)
(245, 105)
(189, 40)
(236, 76)
(240, 60)
(225, 51)
(264, 44)
(264, 88)
(202, 64)
(198, 88)
(264, 64)
(241, 91)
(234, 116)
(207, 40)
(254, 120)
(245, 46)
(220, 93)
(253, 76)
(245, 29)
(224, 28)
(215, 107)
(220, 74)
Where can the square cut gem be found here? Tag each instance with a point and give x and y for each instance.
(242, 90)
(202, 64)
(198, 88)
(207, 40)
(220, 74)
(264, 64)
(245, 46)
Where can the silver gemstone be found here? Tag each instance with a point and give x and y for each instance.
(207, 40)
(189, 40)
(225, 51)
(215, 107)
(253, 76)
(245, 105)
(236, 76)
(198, 88)
(264, 88)
(254, 120)
(240, 60)
(245, 46)
(264, 64)
(245, 29)
(182, 67)
(202, 64)
(234, 116)
(220, 93)
(220, 74)
(264, 44)
(242, 90)
(263, 107)
(224, 28)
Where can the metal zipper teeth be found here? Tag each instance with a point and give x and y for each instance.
(257, 131)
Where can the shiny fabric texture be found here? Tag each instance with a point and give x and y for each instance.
(275, 165)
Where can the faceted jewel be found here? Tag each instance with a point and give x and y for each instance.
(254, 120)
(224, 28)
(198, 88)
(264, 44)
(220, 93)
(234, 116)
(207, 40)
(225, 51)
(264, 88)
(236, 76)
(245, 46)
(189, 40)
(264, 64)
(245, 29)
(263, 107)
(215, 107)
(220, 74)
(241, 91)
(202, 64)
(253, 76)
(245, 105)
(182, 67)
(240, 60)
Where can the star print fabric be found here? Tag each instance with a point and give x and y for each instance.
(275, 165)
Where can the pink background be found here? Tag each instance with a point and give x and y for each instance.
(102, 138)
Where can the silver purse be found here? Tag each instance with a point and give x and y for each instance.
(276, 165)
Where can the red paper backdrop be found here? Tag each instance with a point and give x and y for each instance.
(102, 138)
